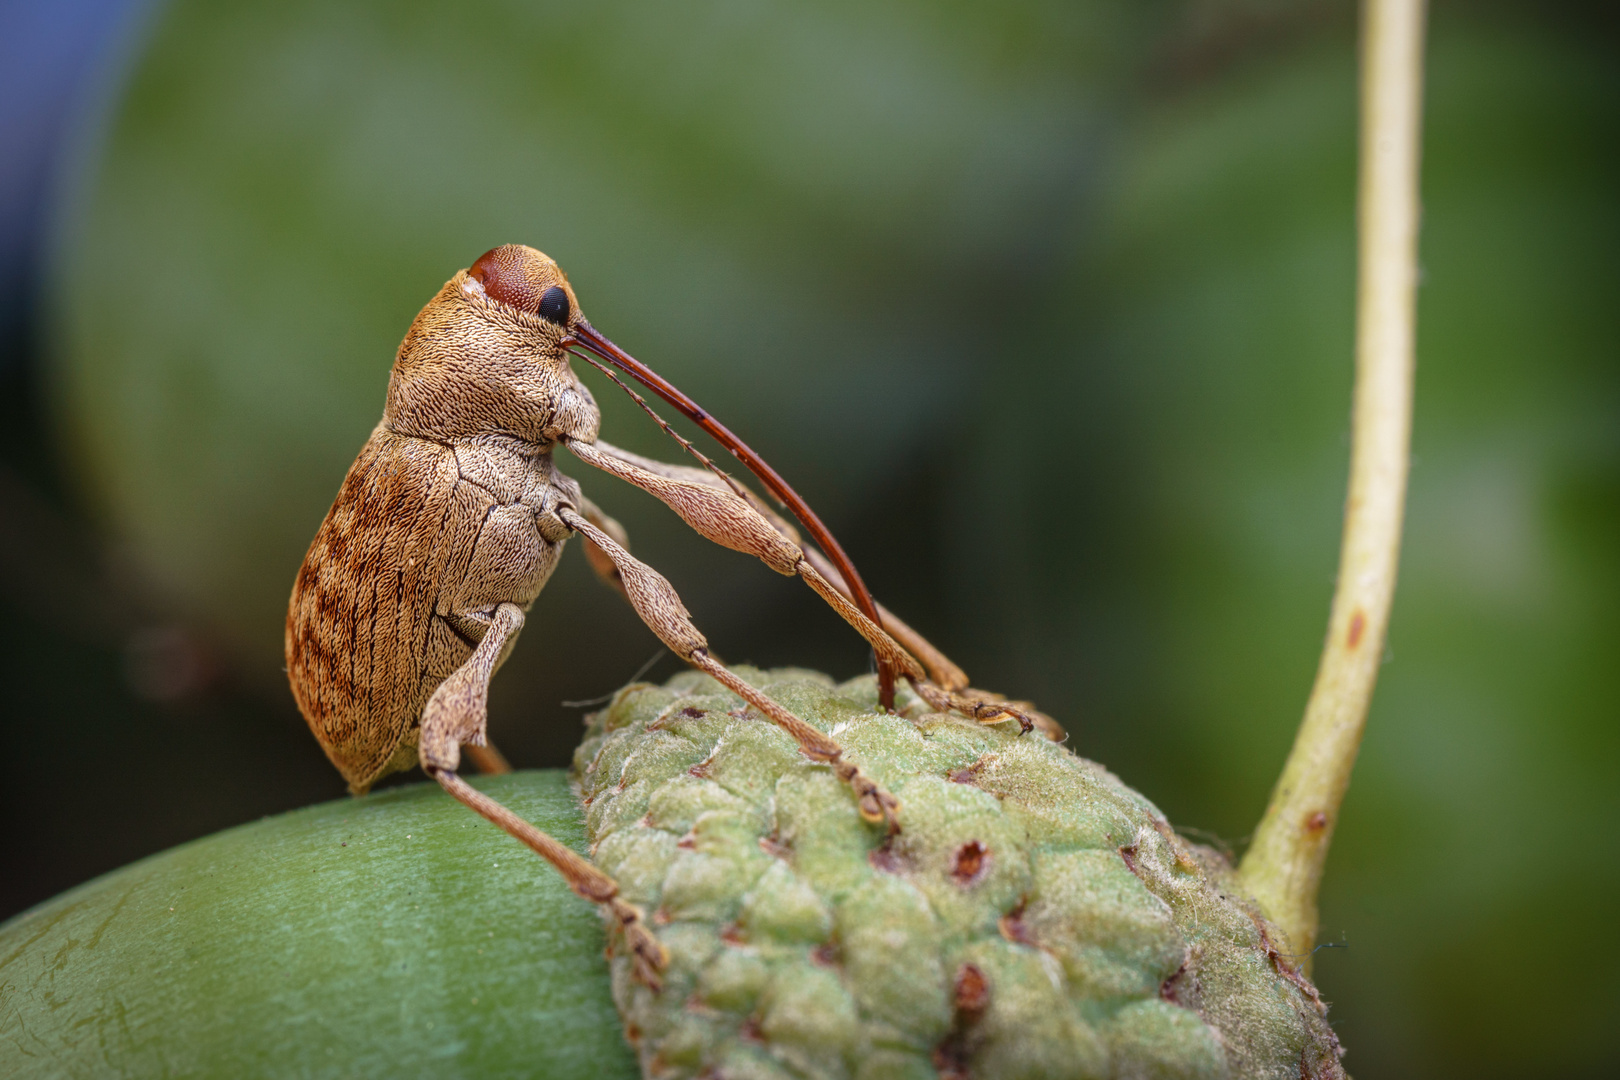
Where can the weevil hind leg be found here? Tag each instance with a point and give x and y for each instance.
(456, 714)
(660, 607)
(647, 953)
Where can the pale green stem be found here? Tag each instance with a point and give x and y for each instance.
(1283, 866)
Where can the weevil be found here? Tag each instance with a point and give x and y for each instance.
(454, 515)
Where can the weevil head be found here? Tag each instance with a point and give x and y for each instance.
(486, 356)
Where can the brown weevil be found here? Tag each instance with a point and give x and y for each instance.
(455, 514)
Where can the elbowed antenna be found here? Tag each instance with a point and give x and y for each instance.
(586, 336)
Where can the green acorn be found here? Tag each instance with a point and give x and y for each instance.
(1033, 917)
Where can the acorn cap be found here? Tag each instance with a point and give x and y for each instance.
(1034, 917)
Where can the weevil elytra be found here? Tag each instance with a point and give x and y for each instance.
(455, 514)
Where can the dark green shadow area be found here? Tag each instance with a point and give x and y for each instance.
(396, 935)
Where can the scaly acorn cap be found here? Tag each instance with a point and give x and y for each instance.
(1034, 918)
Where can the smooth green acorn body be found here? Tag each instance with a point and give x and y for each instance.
(1034, 917)
(391, 936)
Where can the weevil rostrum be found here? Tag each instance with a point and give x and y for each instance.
(454, 515)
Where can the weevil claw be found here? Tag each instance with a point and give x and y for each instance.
(875, 804)
(648, 955)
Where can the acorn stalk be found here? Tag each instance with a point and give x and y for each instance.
(1283, 866)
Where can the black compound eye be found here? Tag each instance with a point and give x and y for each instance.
(554, 305)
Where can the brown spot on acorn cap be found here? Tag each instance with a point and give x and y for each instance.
(953, 1057)
(970, 863)
(972, 989)
(970, 773)
(1171, 988)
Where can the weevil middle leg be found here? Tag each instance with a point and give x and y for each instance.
(660, 607)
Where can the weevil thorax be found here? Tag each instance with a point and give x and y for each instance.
(485, 357)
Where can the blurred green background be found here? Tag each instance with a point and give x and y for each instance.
(1047, 308)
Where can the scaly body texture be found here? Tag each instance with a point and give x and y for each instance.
(1034, 918)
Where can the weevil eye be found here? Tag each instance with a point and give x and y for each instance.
(554, 305)
(500, 272)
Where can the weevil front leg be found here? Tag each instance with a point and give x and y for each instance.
(734, 518)
(660, 607)
(456, 714)
(941, 669)
(721, 515)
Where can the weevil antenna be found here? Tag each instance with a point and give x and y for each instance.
(685, 443)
